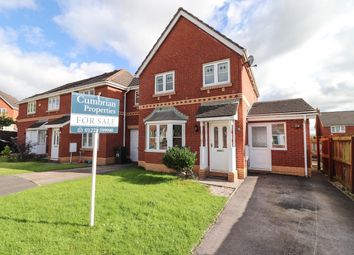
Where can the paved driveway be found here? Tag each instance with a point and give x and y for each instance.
(273, 214)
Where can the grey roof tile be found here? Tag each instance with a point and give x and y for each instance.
(37, 124)
(217, 109)
(337, 118)
(168, 113)
(59, 121)
(13, 102)
(297, 105)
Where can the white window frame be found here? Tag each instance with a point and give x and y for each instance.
(88, 91)
(31, 107)
(338, 129)
(85, 146)
(215, 64)
(169, 134)
(285, 136)
(136, 92)
(164, 91)
(44, 132)
(52, 107)
(3, 111)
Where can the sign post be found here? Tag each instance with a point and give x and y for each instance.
(93, 114)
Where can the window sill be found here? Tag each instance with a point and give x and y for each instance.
(279, 149)
(216, 86)
(155, 151)
(31, 113)
(54, 110)
(164, 94)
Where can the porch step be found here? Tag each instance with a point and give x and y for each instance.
(220, 176)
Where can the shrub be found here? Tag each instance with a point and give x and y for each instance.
(24, 151)
(182, 160)
(6, 152)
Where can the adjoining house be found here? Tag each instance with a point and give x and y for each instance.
(339, 122)
(8, 108)
(44, 118)
(195, 89)
(279, 137)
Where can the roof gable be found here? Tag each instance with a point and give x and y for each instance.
(200, 24)
(10, 100)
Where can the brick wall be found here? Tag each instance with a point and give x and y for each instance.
(12, 113)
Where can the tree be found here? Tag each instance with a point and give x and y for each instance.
(6, 121)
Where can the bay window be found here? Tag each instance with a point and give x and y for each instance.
(216, 73)
(161, 136)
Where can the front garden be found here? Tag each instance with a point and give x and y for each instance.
(137, 212)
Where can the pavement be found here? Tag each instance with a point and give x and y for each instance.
(274, 214)
(15, 183)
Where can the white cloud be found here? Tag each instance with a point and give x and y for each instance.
(16, 4)
(35, 36)
(23, 74)
(130, 28)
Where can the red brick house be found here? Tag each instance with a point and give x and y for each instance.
(9, 108)
(195, 90)
(44, 118)
(331, 123)
(279, 137)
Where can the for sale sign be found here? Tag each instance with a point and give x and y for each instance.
(91, 114)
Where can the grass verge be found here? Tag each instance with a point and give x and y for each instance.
(137, 212)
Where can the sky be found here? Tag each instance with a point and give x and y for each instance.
(302, 48)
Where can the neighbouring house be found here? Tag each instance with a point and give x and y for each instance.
(44, 118)
(279, 139)
(196, 88)
(9, 108)
(332, 123)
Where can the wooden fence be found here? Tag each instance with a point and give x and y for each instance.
(337, 156)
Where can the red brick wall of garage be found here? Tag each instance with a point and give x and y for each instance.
(185, 50)
(294, 155)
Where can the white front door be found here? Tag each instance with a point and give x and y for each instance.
(134, 138)
(219, 146)
(259, 147)
(54, 155)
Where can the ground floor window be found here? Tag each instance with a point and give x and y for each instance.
(161, 136)
(87, 140)
(278, 136)
(42, 134)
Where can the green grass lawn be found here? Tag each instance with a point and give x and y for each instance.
(137, 212)
(7, 168)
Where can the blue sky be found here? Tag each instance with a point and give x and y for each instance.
(302, 48)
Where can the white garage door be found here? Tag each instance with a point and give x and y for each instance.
(134, 138)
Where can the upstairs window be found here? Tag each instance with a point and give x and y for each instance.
(53, 103)
(3, 111)
(337, 129)
(31, 107)
(88, 92)
(165, 82)
(136, 100)
(216, 73)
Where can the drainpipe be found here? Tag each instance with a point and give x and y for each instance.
(305, 147)
(124, 114)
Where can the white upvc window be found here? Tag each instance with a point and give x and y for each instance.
(53, 103)
(87, 140)
(338, 129)
(161, 136)
(31, 107)
(136, 97)
(165, 82)
(278, 136)
(42, 135)
(216, 73)
(3, 111)
(88, 91)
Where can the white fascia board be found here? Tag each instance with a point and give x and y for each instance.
(65, 91)
(234, 117)
(309, 115)
(57, 125)
(198, 24)
(166, 122)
